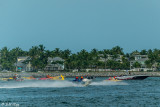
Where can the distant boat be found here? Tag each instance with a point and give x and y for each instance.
(135, 77)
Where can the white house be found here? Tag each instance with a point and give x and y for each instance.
(55, 64)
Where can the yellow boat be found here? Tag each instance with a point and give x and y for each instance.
(29, 78)
(32, 78)
(57, 78)
(50, 78)
(112, 79)
(4, 79)
(10, 79)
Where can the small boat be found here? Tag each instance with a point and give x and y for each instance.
(53, 78)
(17, 79)
(57, 78)
(135, 77)
(45, 78)
(112, 79)
(11, 79)
(4, 79)
(29, 78)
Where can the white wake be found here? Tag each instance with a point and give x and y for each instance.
(109, 83)
(41, 84)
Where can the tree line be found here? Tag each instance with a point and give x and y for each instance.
(81, 60)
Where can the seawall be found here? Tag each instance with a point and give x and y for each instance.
(71, 74)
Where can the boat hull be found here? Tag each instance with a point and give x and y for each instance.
(136, 77)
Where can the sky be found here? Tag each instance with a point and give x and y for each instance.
(80, 24)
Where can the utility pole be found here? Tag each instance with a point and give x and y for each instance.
(130, 65)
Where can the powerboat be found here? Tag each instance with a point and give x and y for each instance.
(135, 77)
(16, 78)
(84, 82)
(45, 78)
(112, 79)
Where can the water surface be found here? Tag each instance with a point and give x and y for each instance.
(130, 93)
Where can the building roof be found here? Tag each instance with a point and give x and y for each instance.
(55, 59)
(54, 65)
(140, 60)
(22, 58)
(141, 55)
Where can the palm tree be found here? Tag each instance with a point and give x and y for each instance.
(143, 52)
(57, 52)
(117, 50)
(105, 56)
(148, 63)
(34, 55)
(16, 52)
(6, 59)
(95, 58)
(137, 65)
(41, 48)
(65, 55)
(48, 53)
(82, 59)
(135, 53)
(38, 57)
(126, 63)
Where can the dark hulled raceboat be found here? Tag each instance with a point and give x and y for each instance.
(135, 77)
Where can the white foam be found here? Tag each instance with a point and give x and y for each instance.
(42, 84)
(109, 83)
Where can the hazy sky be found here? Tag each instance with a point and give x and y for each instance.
(80, 24)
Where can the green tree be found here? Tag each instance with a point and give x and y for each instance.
(117, 50)
(137, 65)
(143, 52)
(148, 63)
(105, 56)
(6, 59)
(38, 57)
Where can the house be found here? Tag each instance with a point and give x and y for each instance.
(119, 58)
(110, 57)
(23, 64)
(140, 59)
(55, 64)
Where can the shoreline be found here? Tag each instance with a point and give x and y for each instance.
(74, 74)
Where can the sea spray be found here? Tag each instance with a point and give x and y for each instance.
(108, 83)
(42, 84)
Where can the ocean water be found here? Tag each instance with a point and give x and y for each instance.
(129, 93)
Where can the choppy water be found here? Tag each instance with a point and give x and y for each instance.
(140, 93)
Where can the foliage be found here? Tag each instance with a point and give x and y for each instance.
(38, 58)
(137, 65)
